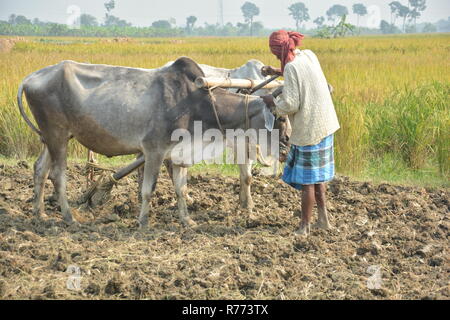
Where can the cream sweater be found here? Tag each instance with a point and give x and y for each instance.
(307, 101)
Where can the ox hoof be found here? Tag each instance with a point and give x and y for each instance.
(189, 223)
(73, 226)
(40, 214)
(143, 224)
(53, 199)
(69, 220)
(322, 225)
(248, 205)
(189, 199)
(303, 231)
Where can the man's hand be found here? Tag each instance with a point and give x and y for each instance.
(283, 157)
(268, 100)
(270, 71)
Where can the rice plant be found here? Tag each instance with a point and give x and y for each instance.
(391, 92)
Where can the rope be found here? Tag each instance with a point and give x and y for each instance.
(252, 83)
(247, 118)
(213, 104)
(112, 179)
(247, 125)
(97, 167)
(99, 191)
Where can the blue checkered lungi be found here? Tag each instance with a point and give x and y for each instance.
(310, 164)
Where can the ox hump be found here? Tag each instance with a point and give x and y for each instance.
(189, 67)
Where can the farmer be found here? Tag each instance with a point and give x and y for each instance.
(306, 99)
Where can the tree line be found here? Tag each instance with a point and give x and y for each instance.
(336, 16)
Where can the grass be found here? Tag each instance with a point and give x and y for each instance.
(391, 94)
(389, 168)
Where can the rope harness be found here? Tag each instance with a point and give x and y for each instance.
(213, 104)
(216, 114)
(92, 170)
(259, 155)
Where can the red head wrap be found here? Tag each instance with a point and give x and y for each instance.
(283, 43)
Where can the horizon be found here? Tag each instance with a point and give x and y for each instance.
(272, 15)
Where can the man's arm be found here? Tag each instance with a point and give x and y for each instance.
(271, 71)
(289, 101)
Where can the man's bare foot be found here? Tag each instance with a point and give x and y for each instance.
(304, 230)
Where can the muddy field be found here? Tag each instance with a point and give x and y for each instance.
(402, 232)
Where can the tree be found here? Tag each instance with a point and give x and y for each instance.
(113, 21)
(429, 28)
(258, 27)
(86, 20)
(190, 21)
(56, 29)
(343, 28)
(299, 12)
(443, 25)
(336, 12)
(360, 10)
(12, 19)
(110, 20)
(20, 20)
(410, 28)
(243, 28)
(417, 7)
(110, 5)
(38, 22)
(340, 30)
(250, 11)
(403, 12)
(319, 21)
(162, 24)
(395, 10)
(388, 28)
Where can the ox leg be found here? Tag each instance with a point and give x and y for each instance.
(58, 154)
(167, 164)
(54, 197)
(245, 196)
(153, 162)
(41, 170)
(169, 167)
(180, 184)
(140, 180)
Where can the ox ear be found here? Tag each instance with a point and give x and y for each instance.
(189, 67)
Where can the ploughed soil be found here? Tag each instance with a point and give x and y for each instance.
(388, 242)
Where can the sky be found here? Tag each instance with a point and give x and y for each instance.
(273, 13)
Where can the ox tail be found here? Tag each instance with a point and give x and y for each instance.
(23, 113)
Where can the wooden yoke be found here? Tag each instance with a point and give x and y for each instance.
(206, 83)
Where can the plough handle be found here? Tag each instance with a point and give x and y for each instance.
(122, 173)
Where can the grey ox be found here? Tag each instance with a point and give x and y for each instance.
(120, 111)
(250, 70)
